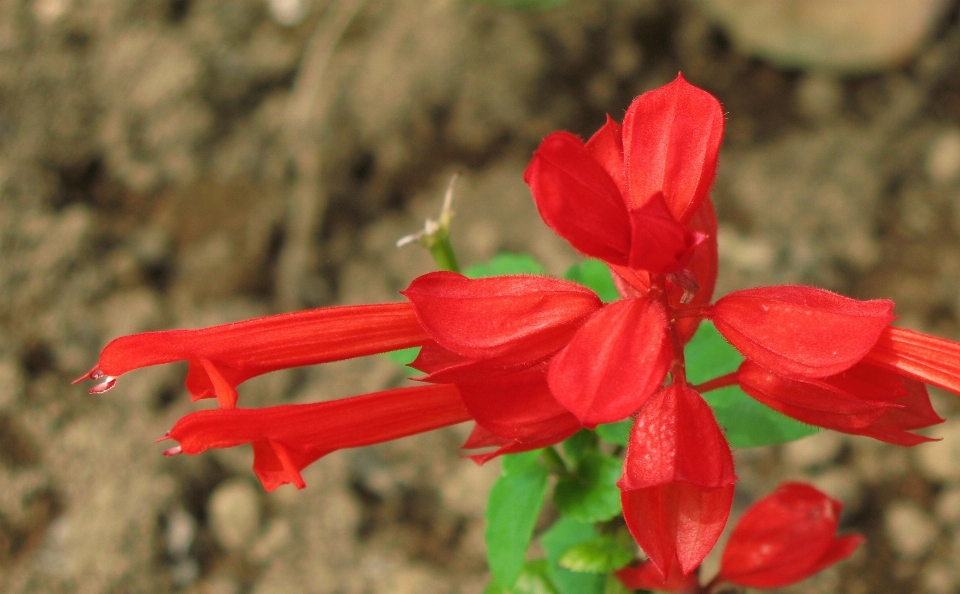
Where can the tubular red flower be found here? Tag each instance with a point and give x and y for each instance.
(222, 357)
(784, 538)
(288, 438)
(863, 400)
(511, 320)
(812, 401)
(626, 195)
(606, 373)
(929, 359)
(671, 138)
(678, 479)
(801, 331)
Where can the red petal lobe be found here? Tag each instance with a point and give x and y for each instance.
(677, 522)
(763, 550)
(677, 438)
(578, 199)
(801, 331)
(513, 319)
(614, 363)
(671, 137)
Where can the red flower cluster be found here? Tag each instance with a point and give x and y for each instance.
(533, 359)
(782, 539)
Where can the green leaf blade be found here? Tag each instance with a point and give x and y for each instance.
(505, 263)
(746, 422)
(564, 534)
(602, 555)
(512, 510)
(594, 275)
(590, 494)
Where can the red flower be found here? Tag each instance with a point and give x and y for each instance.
(784, 538)
(835, 362)
(288, 438)
(678, 479)
(801, 331)
(222, 357)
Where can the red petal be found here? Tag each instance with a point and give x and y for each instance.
(221, 357)
(841, 548)
(646, 576)
(614, 363)
(517, 407)
(810, 401)
(916, 412)
(606, 147)
(677, 522)
(513, 319)
(288, 438)
(446, 367)
(676, 438)
(783, 538)
(801, 331)
(869, 382)
(671, 137)
(659, 243)
(929, 359)
(578, 199)
(548, 435)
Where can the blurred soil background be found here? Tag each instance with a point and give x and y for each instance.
(180, 163)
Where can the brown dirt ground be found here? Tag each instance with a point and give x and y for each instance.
(177, 163)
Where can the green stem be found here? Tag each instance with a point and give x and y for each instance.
(554, 462)
(442, 252)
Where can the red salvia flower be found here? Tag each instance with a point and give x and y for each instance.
(784, 538)
(801, 331)
(288, 438)
(677, 485)
(222, 357)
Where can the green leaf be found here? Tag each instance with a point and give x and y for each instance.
(512, 511)
(614, 586)
(581, 442)
(602, 555)
(566, 533)
(590, 494)
(530, 5)
(747, 423)
(535, 579)
(594, 275)
(616, 433)
(505, 263)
